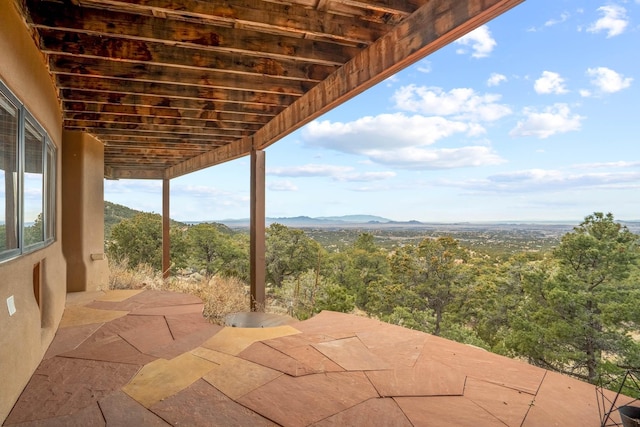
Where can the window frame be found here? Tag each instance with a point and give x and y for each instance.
(49, 180)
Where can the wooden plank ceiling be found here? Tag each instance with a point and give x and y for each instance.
(173, 86)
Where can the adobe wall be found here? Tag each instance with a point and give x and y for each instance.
(25, 336)
(83, 212)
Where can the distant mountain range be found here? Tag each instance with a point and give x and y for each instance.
(325, 221)
(115, 213)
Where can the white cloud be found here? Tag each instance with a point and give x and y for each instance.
(550, 83)
(552, 120)
(460, 103)
(366, 176)
(607, 80)
(550, 180)
(585, 93)
(282, 186)
(337, 173)
(603, 165)
(399, 141)
(555, 21)
(382, 132)
(480, 42)
(443, 158)
(495, 79)
(309, 170)
(614, 20)
(424, 66)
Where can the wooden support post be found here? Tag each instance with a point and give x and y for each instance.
(257, 230)
(166, 241)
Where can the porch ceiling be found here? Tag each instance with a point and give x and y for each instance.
(174, 86)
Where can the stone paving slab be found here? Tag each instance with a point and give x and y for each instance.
(508, 405)
(202, 405)
(301, 401)
(69, 338)
(163, 378)
(185, 324)
(481, 364)
(169, 310)
(265, 355)
(427, 379)
(560, 402)
(398, 349)
(89, 416)
(248, 375)
(81, 315)
(378, 412)
(351, 355)
(185, 343)
(119, 295)
(118, 409)
(58, 387)
(151, 335)
(234, 340)
(445, 411)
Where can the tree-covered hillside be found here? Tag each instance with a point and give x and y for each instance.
(114, 214)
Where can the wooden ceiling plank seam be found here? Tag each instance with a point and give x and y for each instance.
(178, 33)
(257, 14)
(125, 116)
(103, 101)
(159, 119)
(154, 74)
(168, 92)
(191, 139)
(125, 173)
(82, 45)
(217, 131)
(434, 25)
(104, 124)
(151, 132)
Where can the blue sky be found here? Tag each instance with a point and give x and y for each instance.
(533, 116)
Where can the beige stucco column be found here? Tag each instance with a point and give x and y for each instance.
(257, 231)
(83, 212)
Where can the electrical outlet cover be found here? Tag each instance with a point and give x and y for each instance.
(11, 305)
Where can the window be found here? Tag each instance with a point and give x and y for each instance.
(27, 180)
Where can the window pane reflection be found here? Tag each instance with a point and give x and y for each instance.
(8, 175)
(33, 185)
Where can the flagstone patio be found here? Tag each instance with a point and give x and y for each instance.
(149, 358)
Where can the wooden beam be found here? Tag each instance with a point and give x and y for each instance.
(257, 231)
(161, 125)
(258, 14)
(152, 73)
(90, 46)
(170, 90)
(166, 240)
(433, 26)
(144, 115)
(177, 133)
(222, 154)
(182, 146)
(187, 34)
(85, 119)
(86, 100)
(124, 173)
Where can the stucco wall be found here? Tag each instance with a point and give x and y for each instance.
(25, 336)
(83, 212)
